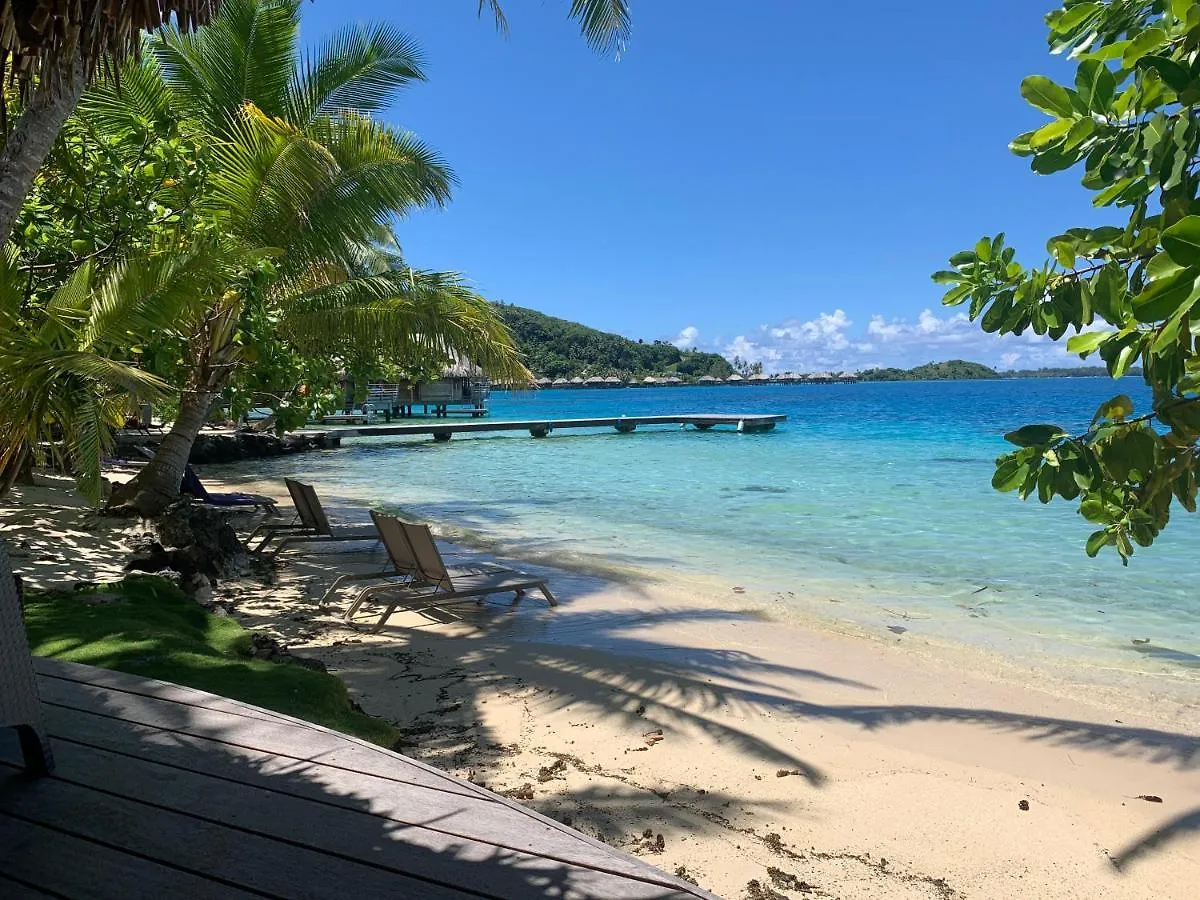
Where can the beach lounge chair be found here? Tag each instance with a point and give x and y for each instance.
(193, 487)
(314, 526)
(435, 585)
(401, 566)
(19, 703)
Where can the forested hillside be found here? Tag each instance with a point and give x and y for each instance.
(557, 348)
(952, 370)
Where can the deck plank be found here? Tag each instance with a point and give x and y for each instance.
(221, 852)
(84, 870)
(203, 758)
(279, 738)
(14, 890)
(349, 817)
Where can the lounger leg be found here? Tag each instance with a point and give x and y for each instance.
(346, 579)
(549, 596)
(387, 614)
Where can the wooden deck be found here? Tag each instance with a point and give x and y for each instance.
(165, 791)
(442, 431)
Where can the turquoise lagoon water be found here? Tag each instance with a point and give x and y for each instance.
(872, 504)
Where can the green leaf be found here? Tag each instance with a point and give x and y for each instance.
(1020, 144)
(1116, 409)
(1035, 435)
(1088, 342)
(1182, 241)
(947, 277)
(1175, 76)
(1097, 542)
(1010, 474)
(1166, 297)
(994, 318)
(983, 249)
(1096, 85)
(1063, 21)
(1050, 133)
(1064, 252)
(955, 296)
(1143, 44)
(1162, 266)
(1042, 93)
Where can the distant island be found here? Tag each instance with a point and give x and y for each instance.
(562, 353)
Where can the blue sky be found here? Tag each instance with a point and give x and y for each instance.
(774, 178)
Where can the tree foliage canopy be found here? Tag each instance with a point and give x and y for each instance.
(558, 348)
(1126, 292)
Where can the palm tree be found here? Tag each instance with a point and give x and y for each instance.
(60, 385)
(298, 168)
(42, 50)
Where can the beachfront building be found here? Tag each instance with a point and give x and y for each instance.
(734, 378)
(462, 387)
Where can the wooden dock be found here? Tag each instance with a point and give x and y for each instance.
(540, 428)
(164, 791)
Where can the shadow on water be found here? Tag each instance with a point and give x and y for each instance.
(1167, 654)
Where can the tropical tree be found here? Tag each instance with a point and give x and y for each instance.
(62, 383)
(50, 53)
(297, 167)
(1127, 290)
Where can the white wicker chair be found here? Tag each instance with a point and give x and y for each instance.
(19, 703)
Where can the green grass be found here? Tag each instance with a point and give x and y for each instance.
(156, 631)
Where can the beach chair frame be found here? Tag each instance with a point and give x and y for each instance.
(435, 585)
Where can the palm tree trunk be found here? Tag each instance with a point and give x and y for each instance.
(157, 486)
(35, 133)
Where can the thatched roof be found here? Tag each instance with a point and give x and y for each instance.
(36, 34)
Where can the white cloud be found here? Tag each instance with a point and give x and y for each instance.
(686, 338)
(830, 342)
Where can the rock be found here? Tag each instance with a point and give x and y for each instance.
(1023, 806)
(193, 540)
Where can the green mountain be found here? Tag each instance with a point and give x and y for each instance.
(951, 370)
(557, 348)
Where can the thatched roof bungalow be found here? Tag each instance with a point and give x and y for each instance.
(734, 378)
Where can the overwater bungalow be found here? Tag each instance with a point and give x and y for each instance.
(613, 381)
(559, 382)
(672, 379)
(543, 382)
(734, 378)
(577, 382)
(650, 379)
(593, 381)
(707, 379)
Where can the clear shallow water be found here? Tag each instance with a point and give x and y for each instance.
(876, 495)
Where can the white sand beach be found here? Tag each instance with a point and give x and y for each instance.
(758, 756)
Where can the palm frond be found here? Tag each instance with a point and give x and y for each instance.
(404, 312)
(604, 24)
(246, 54)
(152, 294)
(319, 193)
(141, 105)
(360, 69)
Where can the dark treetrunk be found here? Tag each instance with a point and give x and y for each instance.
(34, 134)
(157, 485)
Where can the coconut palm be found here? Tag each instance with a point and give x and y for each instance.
(299, 168)
(60, 386)
(51, 49)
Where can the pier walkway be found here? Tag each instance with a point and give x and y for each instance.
(443, 431)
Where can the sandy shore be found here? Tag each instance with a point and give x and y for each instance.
(750, 754)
